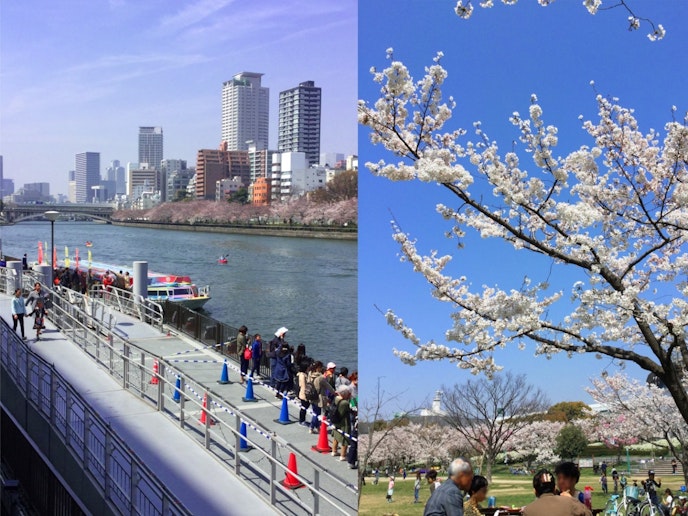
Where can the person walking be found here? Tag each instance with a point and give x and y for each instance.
(604, 484)
(376, 473)
(548, 504)
(447, 500)
(615, 479)
(18, 312)
(39, 318)
(36, 294)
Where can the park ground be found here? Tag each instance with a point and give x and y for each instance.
(508, 489)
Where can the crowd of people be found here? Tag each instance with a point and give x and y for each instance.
(462, 493)
(329, 393)
(82, 281)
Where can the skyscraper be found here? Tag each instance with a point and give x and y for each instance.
(115, 172)
(299, 121)
(150, 146)
(86, 175)
(245, 111)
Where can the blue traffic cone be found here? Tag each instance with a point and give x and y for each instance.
(249, 391)
(243, 445)
(177, 390)
(224, 377)
(284, 414)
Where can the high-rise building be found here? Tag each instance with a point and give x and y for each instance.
(245, 111)
(115, 172)
(299, 121)
(150, 146)
(86, 175)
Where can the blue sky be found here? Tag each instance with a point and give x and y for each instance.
(83, 76)
(495, 61)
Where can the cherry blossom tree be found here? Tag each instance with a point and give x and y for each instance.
(641, 410)
(534, 443)
(464, 9)
(613, 213)
(487, 412)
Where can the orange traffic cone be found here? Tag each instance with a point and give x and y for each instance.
(154, 378)
(323, 446)
(203, 414)
(290, 481)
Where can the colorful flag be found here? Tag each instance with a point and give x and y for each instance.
(40, 253)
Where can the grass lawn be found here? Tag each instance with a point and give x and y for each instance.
(508, 489)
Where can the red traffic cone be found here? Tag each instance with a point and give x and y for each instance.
(323, 446)
(290, 481)
(154, 378)
(203, 414)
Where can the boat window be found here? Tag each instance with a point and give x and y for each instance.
(181, 291)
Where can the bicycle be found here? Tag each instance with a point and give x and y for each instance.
(647, 507)
(625, 505)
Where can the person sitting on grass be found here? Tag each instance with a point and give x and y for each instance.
(568, 475)
(548, 504)
(478, 493)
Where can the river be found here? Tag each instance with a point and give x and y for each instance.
(307, 285)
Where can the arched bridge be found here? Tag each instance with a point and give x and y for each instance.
(14, 213)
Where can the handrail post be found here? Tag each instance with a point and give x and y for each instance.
(273, 471)
(87, 420)
(207, 421)
(142, 390)
(181, 402)
(161, 385)
(125, 365)
(237, 445)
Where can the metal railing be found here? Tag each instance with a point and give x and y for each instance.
(129, 303)
(121, 478)
(133, 368)
(210, 332)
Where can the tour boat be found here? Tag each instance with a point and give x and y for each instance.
(161, 287)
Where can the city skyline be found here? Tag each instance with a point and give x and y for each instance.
(152, 65)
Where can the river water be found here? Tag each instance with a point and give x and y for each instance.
(308, 285)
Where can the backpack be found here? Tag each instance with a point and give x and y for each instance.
(311, 393)
(332, 414)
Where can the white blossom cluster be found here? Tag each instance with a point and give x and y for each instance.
(614, 212)
(464, 10)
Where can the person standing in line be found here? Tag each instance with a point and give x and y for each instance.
(274, 347)
(342, 428)
(256, 355)
(244, 357)
(25, 263)
(18, 312)
(447, 500)
(281, 372)
(321, 386)
(416, 488)
(302, 380)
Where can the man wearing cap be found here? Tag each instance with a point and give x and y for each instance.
(549, 504)
(274, 347)
(329, 374)
(651, 486)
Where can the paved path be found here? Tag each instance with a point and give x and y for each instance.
(195, 475)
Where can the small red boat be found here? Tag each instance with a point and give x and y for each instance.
(89, 244)
(222, 261)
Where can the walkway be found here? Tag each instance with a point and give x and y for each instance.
(203, 476)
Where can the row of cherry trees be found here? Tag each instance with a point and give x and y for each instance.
(635, 412)
(297, 211)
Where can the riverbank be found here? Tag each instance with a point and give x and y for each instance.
(253, 229)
